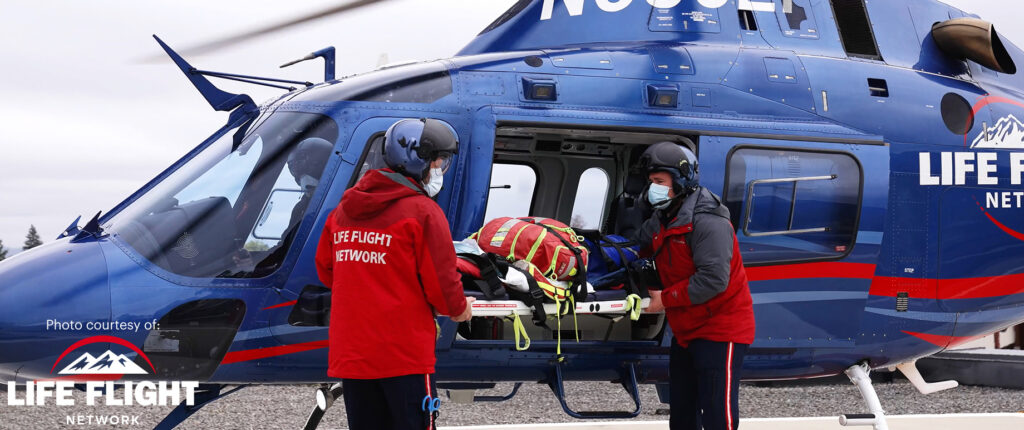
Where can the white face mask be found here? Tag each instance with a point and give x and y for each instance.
(658, 196)
(307, 182)
(433, 185)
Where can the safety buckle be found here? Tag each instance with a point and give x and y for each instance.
(537, 294)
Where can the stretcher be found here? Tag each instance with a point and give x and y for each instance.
(598, 302)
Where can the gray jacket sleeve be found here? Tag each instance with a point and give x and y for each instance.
(712, 245)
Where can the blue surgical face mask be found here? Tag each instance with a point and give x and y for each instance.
(658, 195)
(433, 185)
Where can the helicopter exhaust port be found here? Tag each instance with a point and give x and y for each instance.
(975, 40)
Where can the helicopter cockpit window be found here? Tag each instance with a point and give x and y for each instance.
(233, 212)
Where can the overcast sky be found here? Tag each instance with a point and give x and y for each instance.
(83, 123)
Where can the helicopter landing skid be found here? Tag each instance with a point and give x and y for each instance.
(628, 379)
(325, 397)
(859, 375)
(205, 395)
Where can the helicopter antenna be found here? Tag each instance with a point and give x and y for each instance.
(327, 54)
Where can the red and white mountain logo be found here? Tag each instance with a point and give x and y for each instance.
(107, 366)
(107, 363)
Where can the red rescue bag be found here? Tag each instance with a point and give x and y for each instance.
(550, 245)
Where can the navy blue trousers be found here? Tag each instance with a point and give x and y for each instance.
(704, 385)
(389, 403)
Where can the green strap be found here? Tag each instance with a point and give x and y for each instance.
(558, 316)
(575, 322)
(536, 245)
(520, 331)
(633, 302)
(550, 272)
(512, 251)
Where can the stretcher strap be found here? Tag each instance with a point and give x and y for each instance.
(634, 303)
(520, 331)
(558, 316)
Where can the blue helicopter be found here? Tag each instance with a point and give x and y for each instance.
(870, 153)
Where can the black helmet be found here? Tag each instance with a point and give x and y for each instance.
(678, 160)
(411, 145)
(308, 159)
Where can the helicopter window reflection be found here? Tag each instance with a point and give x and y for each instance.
(233, 213)
(234, 165)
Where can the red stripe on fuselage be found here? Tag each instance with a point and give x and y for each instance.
(811, 270)
(891, 286)
(946, 289)
(281, 305)
(274, 351)
(943, 341)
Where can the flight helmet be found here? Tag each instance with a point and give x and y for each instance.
(676, 159)
(307, 161)
(411, 145)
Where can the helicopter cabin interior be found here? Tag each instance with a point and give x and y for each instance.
(582, 178)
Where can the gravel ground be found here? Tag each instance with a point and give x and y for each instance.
(274, 407)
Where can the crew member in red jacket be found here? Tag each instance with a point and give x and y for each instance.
(705, 297)
(387, 255)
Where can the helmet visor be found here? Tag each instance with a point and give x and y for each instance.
(443, 161)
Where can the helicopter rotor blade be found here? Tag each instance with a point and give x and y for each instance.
(231, 40)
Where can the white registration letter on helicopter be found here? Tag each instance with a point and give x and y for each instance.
(575, 8)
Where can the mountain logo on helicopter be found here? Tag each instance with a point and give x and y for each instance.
(1007, 133)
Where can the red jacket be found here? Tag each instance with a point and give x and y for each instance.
(706, 295)
(387, 255)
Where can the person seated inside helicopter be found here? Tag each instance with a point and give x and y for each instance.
(305, 163)
(234, 208)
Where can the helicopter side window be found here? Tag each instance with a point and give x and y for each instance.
(233, 212)
(793, 205)
(373, 158)
(855, 29)
(512, 191)
(591, 199)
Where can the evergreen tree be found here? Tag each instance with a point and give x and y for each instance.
(3, 251)
(32, 239)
